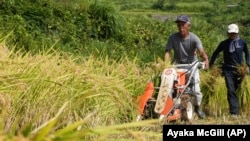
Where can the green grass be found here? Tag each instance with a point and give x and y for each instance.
(53, 95)
(194, 4)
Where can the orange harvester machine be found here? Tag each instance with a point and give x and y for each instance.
(149, 91)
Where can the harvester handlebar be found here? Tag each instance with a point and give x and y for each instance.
(199, 65)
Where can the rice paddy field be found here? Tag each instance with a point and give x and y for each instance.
(54, 96)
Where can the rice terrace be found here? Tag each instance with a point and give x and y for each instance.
(72, 70)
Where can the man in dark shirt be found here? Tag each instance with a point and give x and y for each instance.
(233, 49)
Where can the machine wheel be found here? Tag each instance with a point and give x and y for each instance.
(190, 111)
(187, 108)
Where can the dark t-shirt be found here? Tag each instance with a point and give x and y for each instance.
(231, 59)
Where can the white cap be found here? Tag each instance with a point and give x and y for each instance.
(233, 28)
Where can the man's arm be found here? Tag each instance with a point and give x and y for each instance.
(247, 55)
(215, 54)
(204, 57)
(167, 55)
(167, 58)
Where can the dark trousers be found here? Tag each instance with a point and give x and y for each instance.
(233, 81)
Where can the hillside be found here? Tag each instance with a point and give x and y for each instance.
(73, 69)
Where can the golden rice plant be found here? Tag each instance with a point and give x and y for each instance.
(215, 93)
(55, 96)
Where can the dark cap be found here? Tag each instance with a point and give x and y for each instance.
(183, 18)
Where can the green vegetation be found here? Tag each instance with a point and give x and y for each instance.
(72, 69)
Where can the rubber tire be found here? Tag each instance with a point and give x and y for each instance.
(187, 108)
(190, 111)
